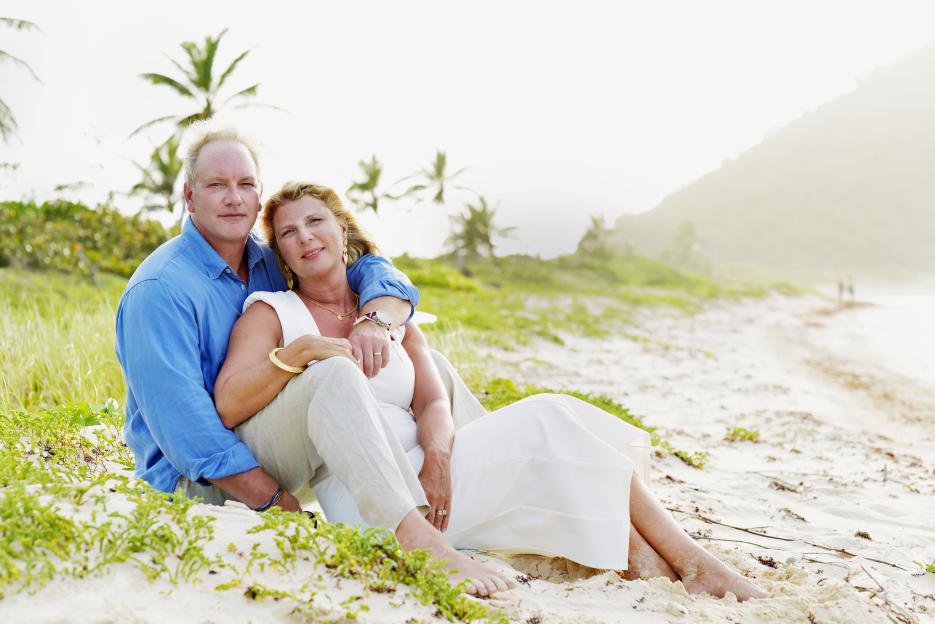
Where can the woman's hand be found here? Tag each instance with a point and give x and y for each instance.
(435, 478)
(311, 347)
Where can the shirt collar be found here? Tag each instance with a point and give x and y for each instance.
(209, 258)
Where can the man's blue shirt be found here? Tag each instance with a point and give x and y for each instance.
(173, 324)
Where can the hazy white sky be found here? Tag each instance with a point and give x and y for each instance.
(561, 110)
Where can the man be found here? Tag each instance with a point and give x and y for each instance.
(175, 318)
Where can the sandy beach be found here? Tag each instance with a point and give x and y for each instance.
(828, 511)
(845, 409)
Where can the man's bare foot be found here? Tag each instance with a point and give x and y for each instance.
(708, 575)
(415, 532)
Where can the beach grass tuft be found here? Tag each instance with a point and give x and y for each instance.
(741, 434)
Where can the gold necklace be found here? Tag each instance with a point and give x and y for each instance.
(339, 315)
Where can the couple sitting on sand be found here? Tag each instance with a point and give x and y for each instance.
(254, 370)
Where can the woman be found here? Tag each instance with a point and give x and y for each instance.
(548, 475)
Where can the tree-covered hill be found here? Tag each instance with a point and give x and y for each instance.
(849, 186)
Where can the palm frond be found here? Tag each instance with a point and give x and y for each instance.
(185, 122)
(261, 105)
(196, 56)
(230, 69)
(8, 124)
(162, 79)
(408, 177)
(7, 57)
(192, 78)
(152, 122)
(412, 190)
(441, 162)
(248, 92)
(210, 51)
(18, 24)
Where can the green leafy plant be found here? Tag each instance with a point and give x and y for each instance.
(70, 237)
(928, 568)
(740, 434)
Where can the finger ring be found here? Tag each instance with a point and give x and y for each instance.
(376, 353)
(441, 512)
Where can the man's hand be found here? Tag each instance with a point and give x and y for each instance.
(288, 502)
(370, 345)
(254, 487)
(435, 478)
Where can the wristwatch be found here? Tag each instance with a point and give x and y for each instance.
(379, 317)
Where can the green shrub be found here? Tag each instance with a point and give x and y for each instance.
(70, 237)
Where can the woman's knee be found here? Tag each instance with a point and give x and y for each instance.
(337, 366)
(323, 375)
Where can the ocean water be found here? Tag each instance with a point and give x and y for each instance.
(897, 333)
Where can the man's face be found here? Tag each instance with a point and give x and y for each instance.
(224, 198)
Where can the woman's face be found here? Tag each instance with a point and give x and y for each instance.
(310, 238)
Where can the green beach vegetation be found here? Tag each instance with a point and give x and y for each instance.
(69, 505)
(741, 434)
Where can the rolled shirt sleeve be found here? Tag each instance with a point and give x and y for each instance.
(158, 347)
(374, 276)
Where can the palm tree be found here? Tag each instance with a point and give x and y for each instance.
(596, 241)
(473, 232)
(8, 124)
(159, 177)
(433, 178)
(364, 194)
(200, 83)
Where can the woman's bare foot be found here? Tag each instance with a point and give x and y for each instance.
(643, 562)
(415, 532)
(708, 575)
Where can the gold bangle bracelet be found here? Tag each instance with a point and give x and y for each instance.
(295, 370)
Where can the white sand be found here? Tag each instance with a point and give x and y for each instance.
(847, 445)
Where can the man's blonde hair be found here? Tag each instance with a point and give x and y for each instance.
(201, 133)
(358, 241)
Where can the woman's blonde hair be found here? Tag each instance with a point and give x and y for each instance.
(358, 241)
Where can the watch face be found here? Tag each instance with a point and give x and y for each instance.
(383, 317)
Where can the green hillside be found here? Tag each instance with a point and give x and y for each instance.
(849, 186)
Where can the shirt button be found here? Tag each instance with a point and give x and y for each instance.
(243, 287)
